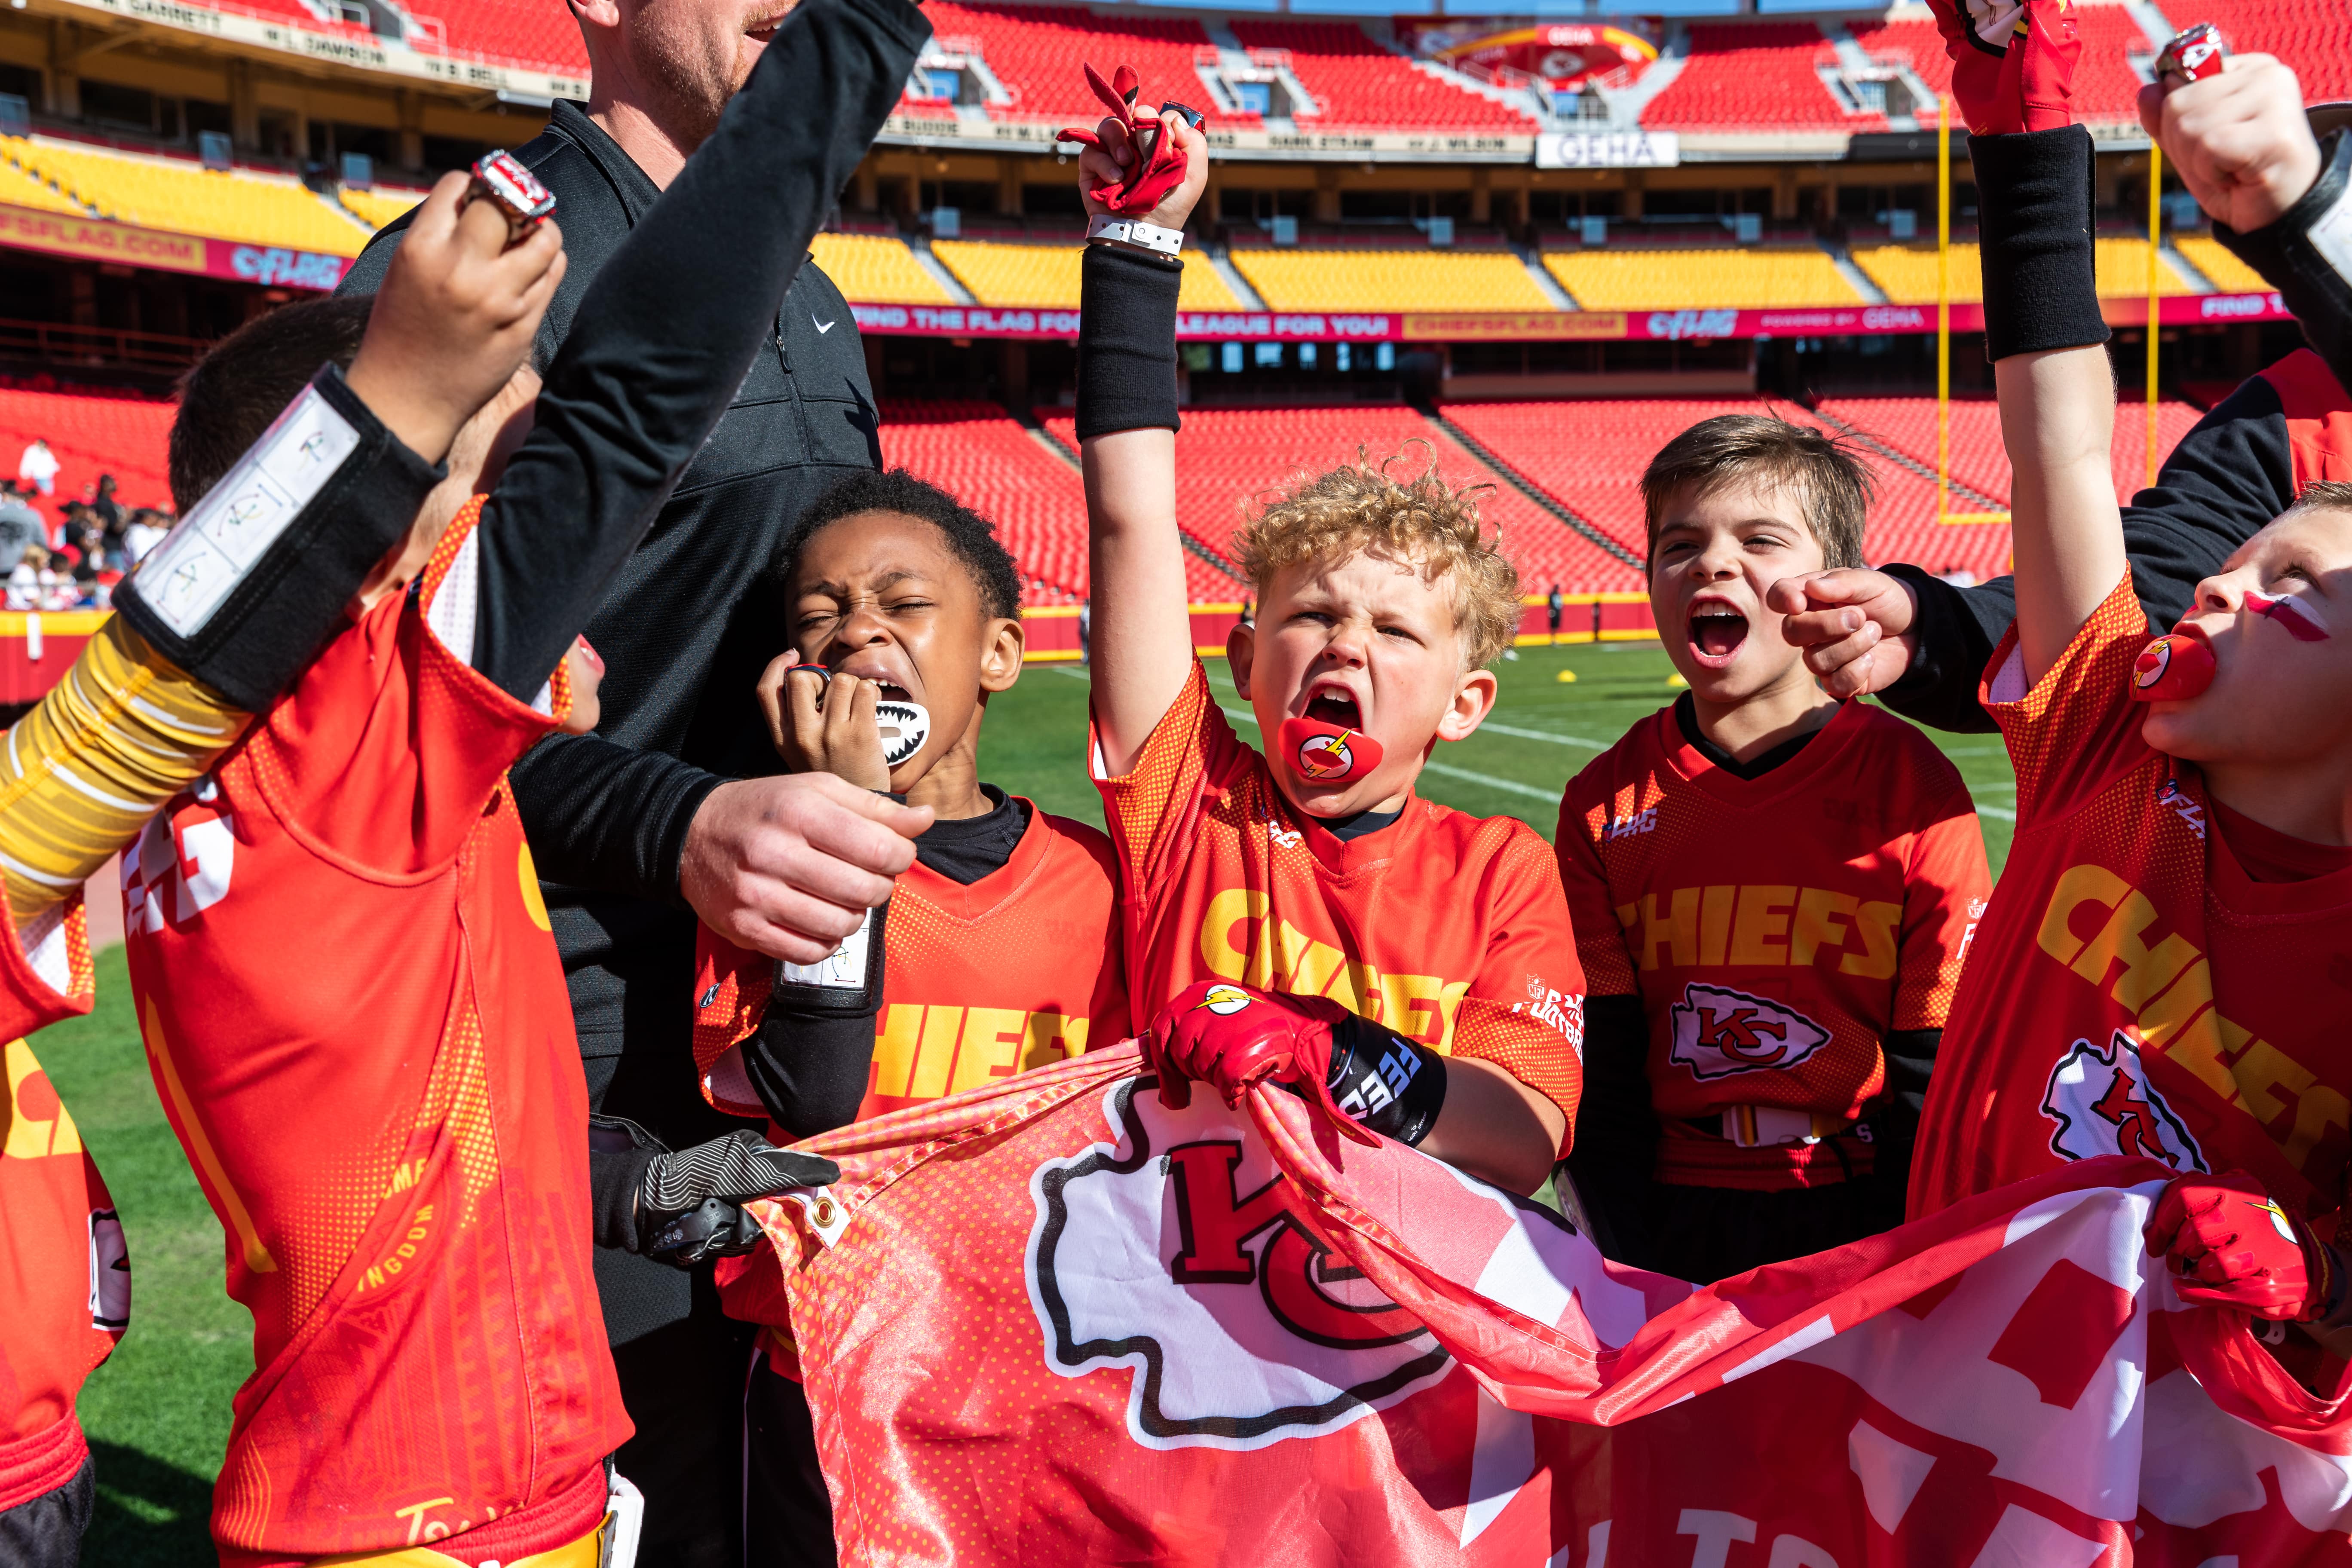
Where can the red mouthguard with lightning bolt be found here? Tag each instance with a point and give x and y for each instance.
(2172, 668)
(1324, 753)
(1158, 166)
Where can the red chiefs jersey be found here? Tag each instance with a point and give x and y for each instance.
(1776, 929)
(64, 1274)
(1447, 928)
(2132, 990)
(1016, 970)
(359, 1028)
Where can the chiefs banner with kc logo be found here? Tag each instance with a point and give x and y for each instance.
(1055, 1322)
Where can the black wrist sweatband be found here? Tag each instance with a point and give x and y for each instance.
(619, 1152)
(2306, 255)
(1385, 1081)
(254, 581)
(1127, 342)
(2040, 281)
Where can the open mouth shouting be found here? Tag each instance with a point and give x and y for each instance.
(1717, 628)
(904, 724)
(1335, 706)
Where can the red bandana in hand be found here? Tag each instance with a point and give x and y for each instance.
(2230, 1244)
(2013, 62)
(1158, 166)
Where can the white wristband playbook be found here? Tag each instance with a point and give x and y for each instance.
(1137, 233)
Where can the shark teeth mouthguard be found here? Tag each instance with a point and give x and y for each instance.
(905, 725)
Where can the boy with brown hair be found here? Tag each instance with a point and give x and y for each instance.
(2155, 975)
(1427, 980)
(1772, 892)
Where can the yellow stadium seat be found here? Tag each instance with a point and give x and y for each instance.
(20, 189)
(1307, 280)
(2228, 274)
(1744, 279)
(1047, 276)
(1907, 273)
(2122, 270)
(874, 269)
(377, 208)
(185, 198)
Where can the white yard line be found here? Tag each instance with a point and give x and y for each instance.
(1491, 727)
(1511, 786)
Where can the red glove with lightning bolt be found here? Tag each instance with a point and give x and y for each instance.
(2013, 62)
(2230, 1244)
(1230, 1036)
(1160, 162)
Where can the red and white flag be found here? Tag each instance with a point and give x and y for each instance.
(1056, 1322)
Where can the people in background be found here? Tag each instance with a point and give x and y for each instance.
(37, 469)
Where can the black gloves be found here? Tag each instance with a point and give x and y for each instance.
(685, 1208)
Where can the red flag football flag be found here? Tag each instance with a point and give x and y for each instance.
(1056, 1322)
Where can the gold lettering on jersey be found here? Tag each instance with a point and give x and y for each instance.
(923, 1052)
(1238, 941)
(34, 1122)
(1769, 924)
(388, 1268)
(2168, 986)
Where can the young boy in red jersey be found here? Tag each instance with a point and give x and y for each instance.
(1001, 950)
(356, 1014)
(1433, 979)
(1772, 892)
(2153, 976)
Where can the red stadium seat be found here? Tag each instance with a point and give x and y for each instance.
(1357, 83)
(517, 32)
(93, 431)
(1227, 459)
(2314, 37)
(1036, 50)
(1754, 74)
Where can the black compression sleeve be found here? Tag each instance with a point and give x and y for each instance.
(1127, 342)
(2034, 194)
(1616, 1146)
(1385, 1081)
(619, 1151)
(2306, 255)
(2229, 477)
(609, 817)
(667, 331)
(280, 544)
(813, 1056)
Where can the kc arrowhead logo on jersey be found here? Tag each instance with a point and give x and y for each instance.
(1719, 1032)
(1176, 1254)
(2104, 1104)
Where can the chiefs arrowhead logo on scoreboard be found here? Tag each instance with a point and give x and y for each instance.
(1719, 1032)
(2104, 1104)
(1177, 1254)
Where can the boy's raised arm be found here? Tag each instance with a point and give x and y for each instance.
(1141, 647)
(668, 330)
(2013, 76)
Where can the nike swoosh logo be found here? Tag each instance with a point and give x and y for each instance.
(822, 327)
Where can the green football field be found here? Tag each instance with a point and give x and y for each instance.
(158, 1412)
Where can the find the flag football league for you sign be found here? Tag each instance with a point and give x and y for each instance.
(1058, 1322)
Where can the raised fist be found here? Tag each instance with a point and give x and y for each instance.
(2013, 62)
(2229, 1244)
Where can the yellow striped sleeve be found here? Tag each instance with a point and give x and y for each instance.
(121, 733)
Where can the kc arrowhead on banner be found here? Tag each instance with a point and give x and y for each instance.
(1062, 1323)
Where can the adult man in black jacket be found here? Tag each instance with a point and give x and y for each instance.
(656, 819)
